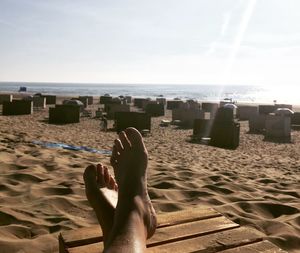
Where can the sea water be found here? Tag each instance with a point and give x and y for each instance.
(240, 93)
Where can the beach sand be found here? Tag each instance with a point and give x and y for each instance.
(42, 190)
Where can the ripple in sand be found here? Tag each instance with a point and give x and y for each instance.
(217, 189)
(23, 177)
(55, 191)
(164, 185)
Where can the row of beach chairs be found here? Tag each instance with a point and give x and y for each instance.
(191, 114)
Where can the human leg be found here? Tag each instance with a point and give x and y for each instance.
(135, 218)
(101, 192)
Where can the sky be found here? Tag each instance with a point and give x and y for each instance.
(158, 41)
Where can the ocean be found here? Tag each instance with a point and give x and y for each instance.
(239, 93)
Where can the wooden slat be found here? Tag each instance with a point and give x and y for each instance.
(239, 240)
(212, 242)
(195, 230)
(81, 236)
(198, 213)
(168, 234)
(190, 229)
(93, 234)
(91, 248)
(264, 247)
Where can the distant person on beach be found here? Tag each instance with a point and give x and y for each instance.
(122, 205)
(103, 124)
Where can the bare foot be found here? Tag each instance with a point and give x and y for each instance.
(101, 191)
(129, 160)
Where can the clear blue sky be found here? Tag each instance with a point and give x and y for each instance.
(157, 41)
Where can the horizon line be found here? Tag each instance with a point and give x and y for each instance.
(128, 83)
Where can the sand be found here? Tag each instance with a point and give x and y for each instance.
(42, 191)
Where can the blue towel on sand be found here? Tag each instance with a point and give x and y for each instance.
(71, 147)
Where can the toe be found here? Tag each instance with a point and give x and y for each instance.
(90, 178)
(112, 183)
(135, 138)
(119, 146)
(100, 175)
(90, 174)
(114, 156)
(106, 175)
(124, 140)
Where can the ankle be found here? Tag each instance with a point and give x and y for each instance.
(129, 188)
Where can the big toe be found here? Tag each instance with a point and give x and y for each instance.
(90, 177)
(135, 138)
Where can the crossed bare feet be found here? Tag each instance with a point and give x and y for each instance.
(123, 206)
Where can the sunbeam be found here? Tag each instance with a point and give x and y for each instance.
(238, 40)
